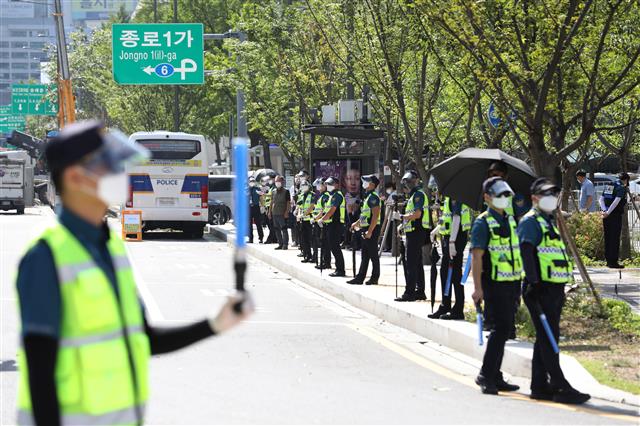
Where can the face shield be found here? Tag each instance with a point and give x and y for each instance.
(115, 154)
(500, 189)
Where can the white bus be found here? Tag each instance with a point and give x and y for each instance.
(171, 188)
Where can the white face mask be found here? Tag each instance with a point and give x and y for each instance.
(270, 182)
(113, 189)
(389, 191)
(278, 184)
(501, 202)
(548, 203)
(330, 188)
(252, 184)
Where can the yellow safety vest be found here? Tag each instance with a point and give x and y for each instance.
(101, 334)
(321, 204)
(555, 264)
(447, 217)
(504, 252)
(424, 222)
(365, 212)
(342, 210)
(305, 205)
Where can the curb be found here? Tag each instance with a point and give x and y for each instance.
(458, 335)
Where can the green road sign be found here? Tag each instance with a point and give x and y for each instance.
(33, 99)
(158, 53)
(10, 121)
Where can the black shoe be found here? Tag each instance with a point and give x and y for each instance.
(371, 282)
(570, 396)
(338, 274)
(486, 386)
(615, 266)
(307, 261)
(260, 242)
(487, 326)
(406, 298)
(283, 248)
(322, 266)
(421, 296)
(504, 386)
(355, 281)
(250, 241)
(300, 254)
(278, 248)
(542, 395)
(452, 316)
(439, 313)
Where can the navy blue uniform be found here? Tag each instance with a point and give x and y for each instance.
(336, 231)
(254, 213)
(369, 246)
(613, 223)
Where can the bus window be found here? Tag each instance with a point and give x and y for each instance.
(171, 149)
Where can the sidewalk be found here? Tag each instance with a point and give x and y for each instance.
(378, 300)
(623, 284)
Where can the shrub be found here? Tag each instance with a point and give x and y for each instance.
(621, 317)
(586, 229)
(524, 326)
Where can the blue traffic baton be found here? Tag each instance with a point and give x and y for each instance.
(241, 212)
(467, 269)
(479, 324)
(547, 329)
(447, 286)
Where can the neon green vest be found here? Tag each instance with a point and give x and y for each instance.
(319, 207)
(408, 226)
(504, 252)
(365, 212)
(447, 217)
(342, 210)
(266, 198)
(94, 379)
(555, 265)
(306, 204)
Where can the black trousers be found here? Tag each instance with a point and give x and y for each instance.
(456, 273)
(321, 246)
(414, 271)
(335, 233)
(545, 366)
(500, 298)
(306, 235)
(369, 251)
(272, 233)
(280, 229)
(612, 228)
(255, 217)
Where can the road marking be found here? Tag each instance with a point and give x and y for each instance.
(215, 293)
(151, 307)
(468, 381)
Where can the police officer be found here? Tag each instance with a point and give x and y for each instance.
(415, 222)
(612, 203)
(548, 268)
(519, 205)
(305, 211)
(497, 270)
(453, 227)
(321, 207)
(334, 219)
(370, 224)
(85, 339)
(255, 216)
(265, 203)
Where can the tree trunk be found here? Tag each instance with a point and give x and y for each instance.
(267, 153)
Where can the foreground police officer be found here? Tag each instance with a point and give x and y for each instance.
(85, 339)
(453, 227)
(334, 219)
(321, 240)
(369, 223)
(612, 202)
(548, 268)
(416, 222)
(497, 270)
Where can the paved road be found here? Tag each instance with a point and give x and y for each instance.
(303, 358)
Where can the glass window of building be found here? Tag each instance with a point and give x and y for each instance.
(4, 75)
(20, 76)
(4, 86)
(19, 54)
(18, 44)
(4, 44)
(20, 66)
(37, 44)
(4, 65)
(35, 76)
(35, 65)
(4, 54)
(17, 33)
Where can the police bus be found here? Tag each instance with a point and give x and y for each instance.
(171, 188)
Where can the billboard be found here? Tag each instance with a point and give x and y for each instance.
(348, 172)
(99, 9)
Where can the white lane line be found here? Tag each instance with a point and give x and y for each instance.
(258, 322)
(153, 310)
(215, 293)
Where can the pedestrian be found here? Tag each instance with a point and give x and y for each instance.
(548, 268)
(415, 223)
(587, 198)
(279, 212)
(334, 219)
(85, 341)
(613, 202)
(454, 227)
(369, 222)
(305, 214)
(497, 270)
(321, 238)
(255, 216)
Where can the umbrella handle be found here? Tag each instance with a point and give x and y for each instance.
(447, 287)
(467, 269)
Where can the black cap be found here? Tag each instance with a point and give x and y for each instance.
(73, 143)
(371, 178)
(498, 166)
(581, 173)
(545, 186)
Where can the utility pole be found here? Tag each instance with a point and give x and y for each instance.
(176, 88)
(67, 109)
(155, 11)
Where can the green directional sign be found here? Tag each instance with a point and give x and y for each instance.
(10, 121)
(33, 99)
(158, 53)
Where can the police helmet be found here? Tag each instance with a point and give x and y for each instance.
(318, 182)
(544, 186)
(496, 187)
(302, 174)
(331, 181)
(372, 178)
(410, 179)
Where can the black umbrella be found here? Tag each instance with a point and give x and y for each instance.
(435, 256)
(460, 177)
(259, 174)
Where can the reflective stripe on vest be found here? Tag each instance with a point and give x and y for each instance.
(365, 213)
(555, 264)
(342, 210)
(306, 204)
(102, 364)
(504, 252)
(424, 221)
(447, 217)
(320, 204)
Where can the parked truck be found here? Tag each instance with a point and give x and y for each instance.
(16, 183)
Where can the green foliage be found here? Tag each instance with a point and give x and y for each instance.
(602, 373)
(622, 317)
(524, 325)
(588, 233)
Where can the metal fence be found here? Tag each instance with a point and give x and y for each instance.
(634, 228)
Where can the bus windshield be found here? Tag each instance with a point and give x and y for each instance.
(171, 149)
